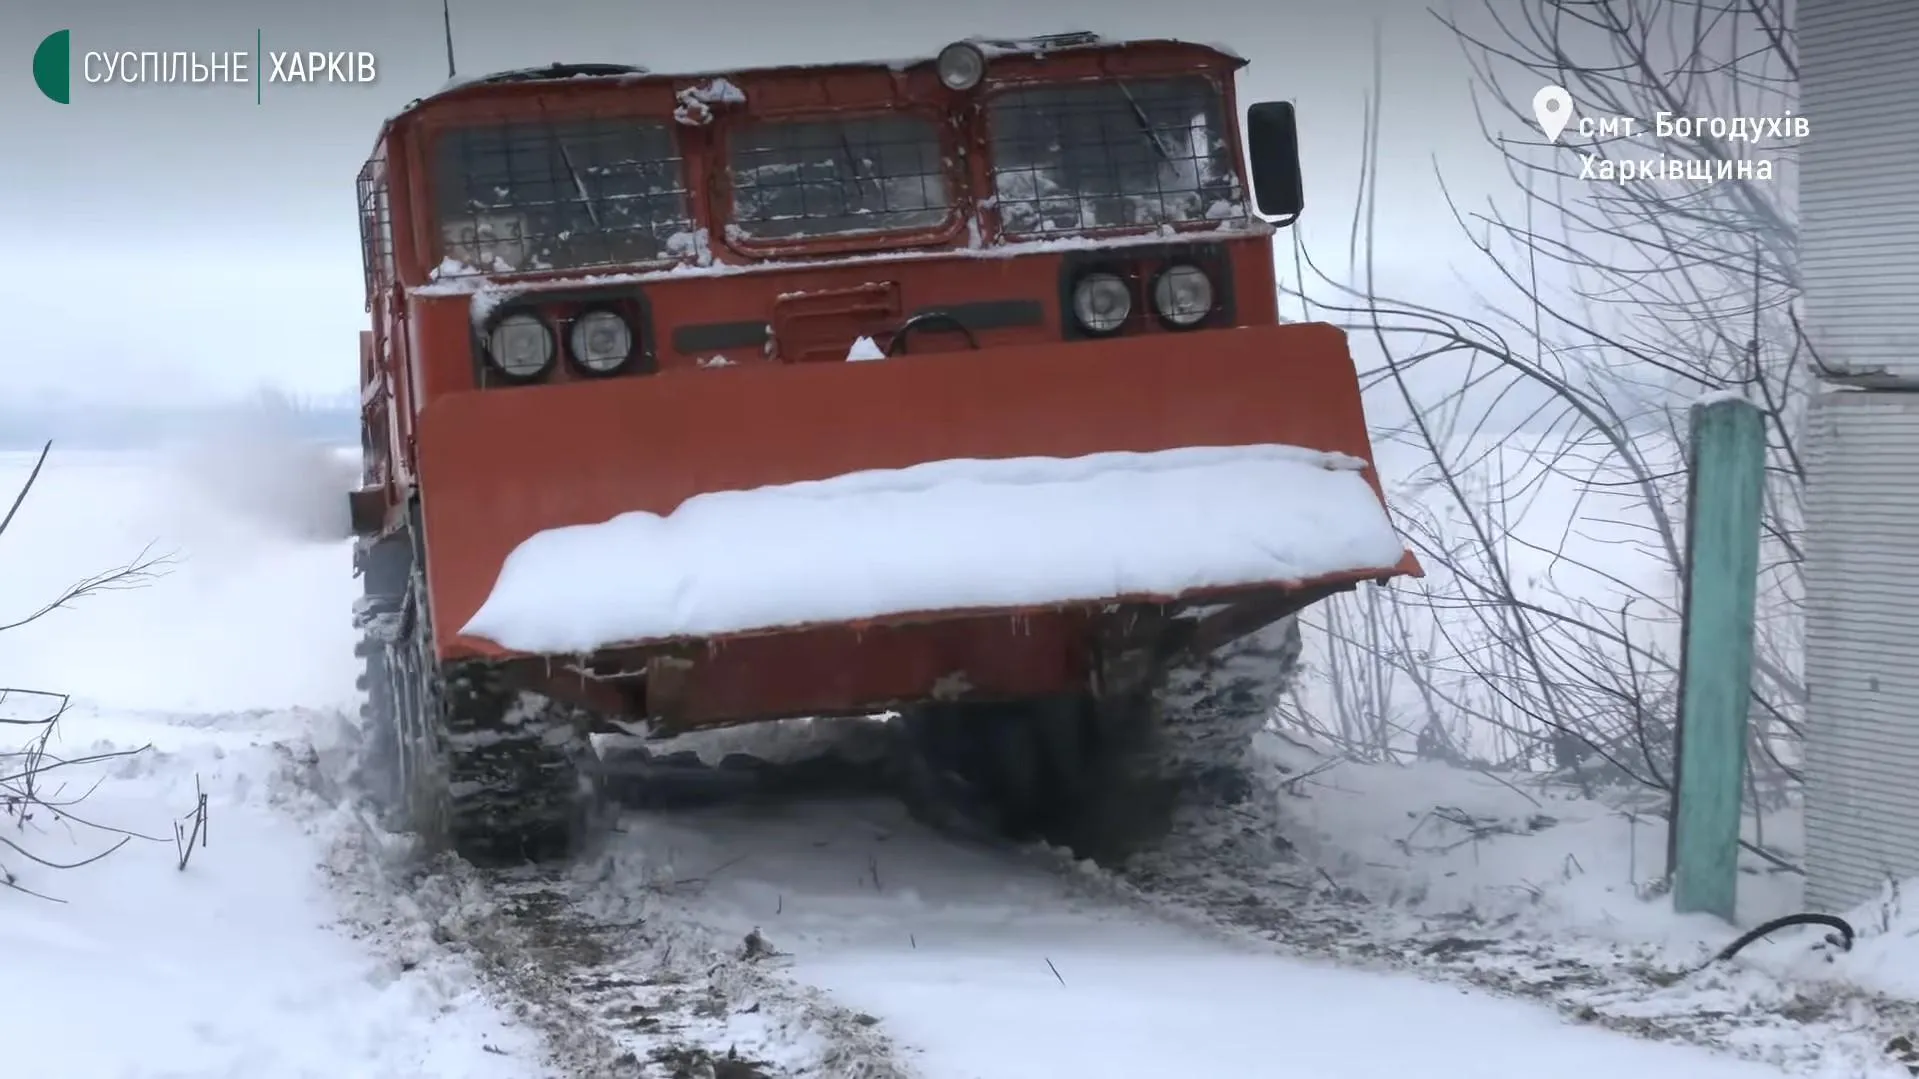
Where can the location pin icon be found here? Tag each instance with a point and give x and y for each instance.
(1553, 108)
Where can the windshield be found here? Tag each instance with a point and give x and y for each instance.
(558, 196)
(794, 179)
(1112, 154)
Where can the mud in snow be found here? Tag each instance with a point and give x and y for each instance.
(606, 955)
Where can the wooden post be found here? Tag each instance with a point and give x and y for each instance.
(1725, 500)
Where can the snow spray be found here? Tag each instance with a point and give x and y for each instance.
(254, 462)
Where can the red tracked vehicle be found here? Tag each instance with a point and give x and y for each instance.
(597, 291)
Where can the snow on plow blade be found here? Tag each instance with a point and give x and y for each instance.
(791, 515)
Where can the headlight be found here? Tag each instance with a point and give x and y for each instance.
(1183, 295)
(520, 345)
(961, 66)
(1102, 302)
(600, 341)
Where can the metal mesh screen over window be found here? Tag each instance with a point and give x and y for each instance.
(561, 196)
(376, 228)
(1113, 154)
(831, 177)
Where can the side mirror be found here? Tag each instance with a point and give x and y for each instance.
(1272, 142)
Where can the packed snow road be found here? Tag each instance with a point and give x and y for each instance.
(984, 964)
(823, 936)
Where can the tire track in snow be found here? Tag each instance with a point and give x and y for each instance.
(627, 981)
(609, 957)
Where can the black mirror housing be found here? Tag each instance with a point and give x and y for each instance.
(1272, 144)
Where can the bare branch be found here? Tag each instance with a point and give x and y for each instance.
(1546, 429)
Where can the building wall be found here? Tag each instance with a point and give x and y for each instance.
(1859, 258)
(1862, 645)
(1859, 181)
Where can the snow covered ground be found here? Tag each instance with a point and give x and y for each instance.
(241, 963)
(988, 965)
(302, 940)
(238, 965)
(1526, 884)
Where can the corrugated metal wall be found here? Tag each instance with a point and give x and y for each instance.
(1862, 645)
(1859, 181)
(1859, 255)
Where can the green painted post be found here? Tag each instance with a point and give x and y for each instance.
(1727, 491)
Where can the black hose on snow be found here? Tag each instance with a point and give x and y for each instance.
(1829, 920)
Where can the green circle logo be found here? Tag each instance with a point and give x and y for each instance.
(53, 66)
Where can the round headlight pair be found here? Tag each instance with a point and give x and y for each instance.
(522, 346)
(1182, 294)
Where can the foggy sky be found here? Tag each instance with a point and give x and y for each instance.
(177, 241)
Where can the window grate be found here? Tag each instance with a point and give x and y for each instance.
(560, 196)
(376, 228)
(794, 179)
(1112, 155)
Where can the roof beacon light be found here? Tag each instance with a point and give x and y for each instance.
(961, 65)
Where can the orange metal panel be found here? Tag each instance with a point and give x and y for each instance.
(499, 465)
(845, 669)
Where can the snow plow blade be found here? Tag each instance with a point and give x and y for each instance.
(503, 465)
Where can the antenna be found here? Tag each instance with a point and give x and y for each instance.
(446, 18)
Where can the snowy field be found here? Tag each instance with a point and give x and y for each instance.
(1425, 920)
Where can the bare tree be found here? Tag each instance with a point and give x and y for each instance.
(1547, 499)
(39, 788)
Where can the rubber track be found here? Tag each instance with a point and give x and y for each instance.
(1211, 707)
(513, 788)
(1143, 765)
(470, 765)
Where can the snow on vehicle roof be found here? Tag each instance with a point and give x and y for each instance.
(539, 74)
(941, 536)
